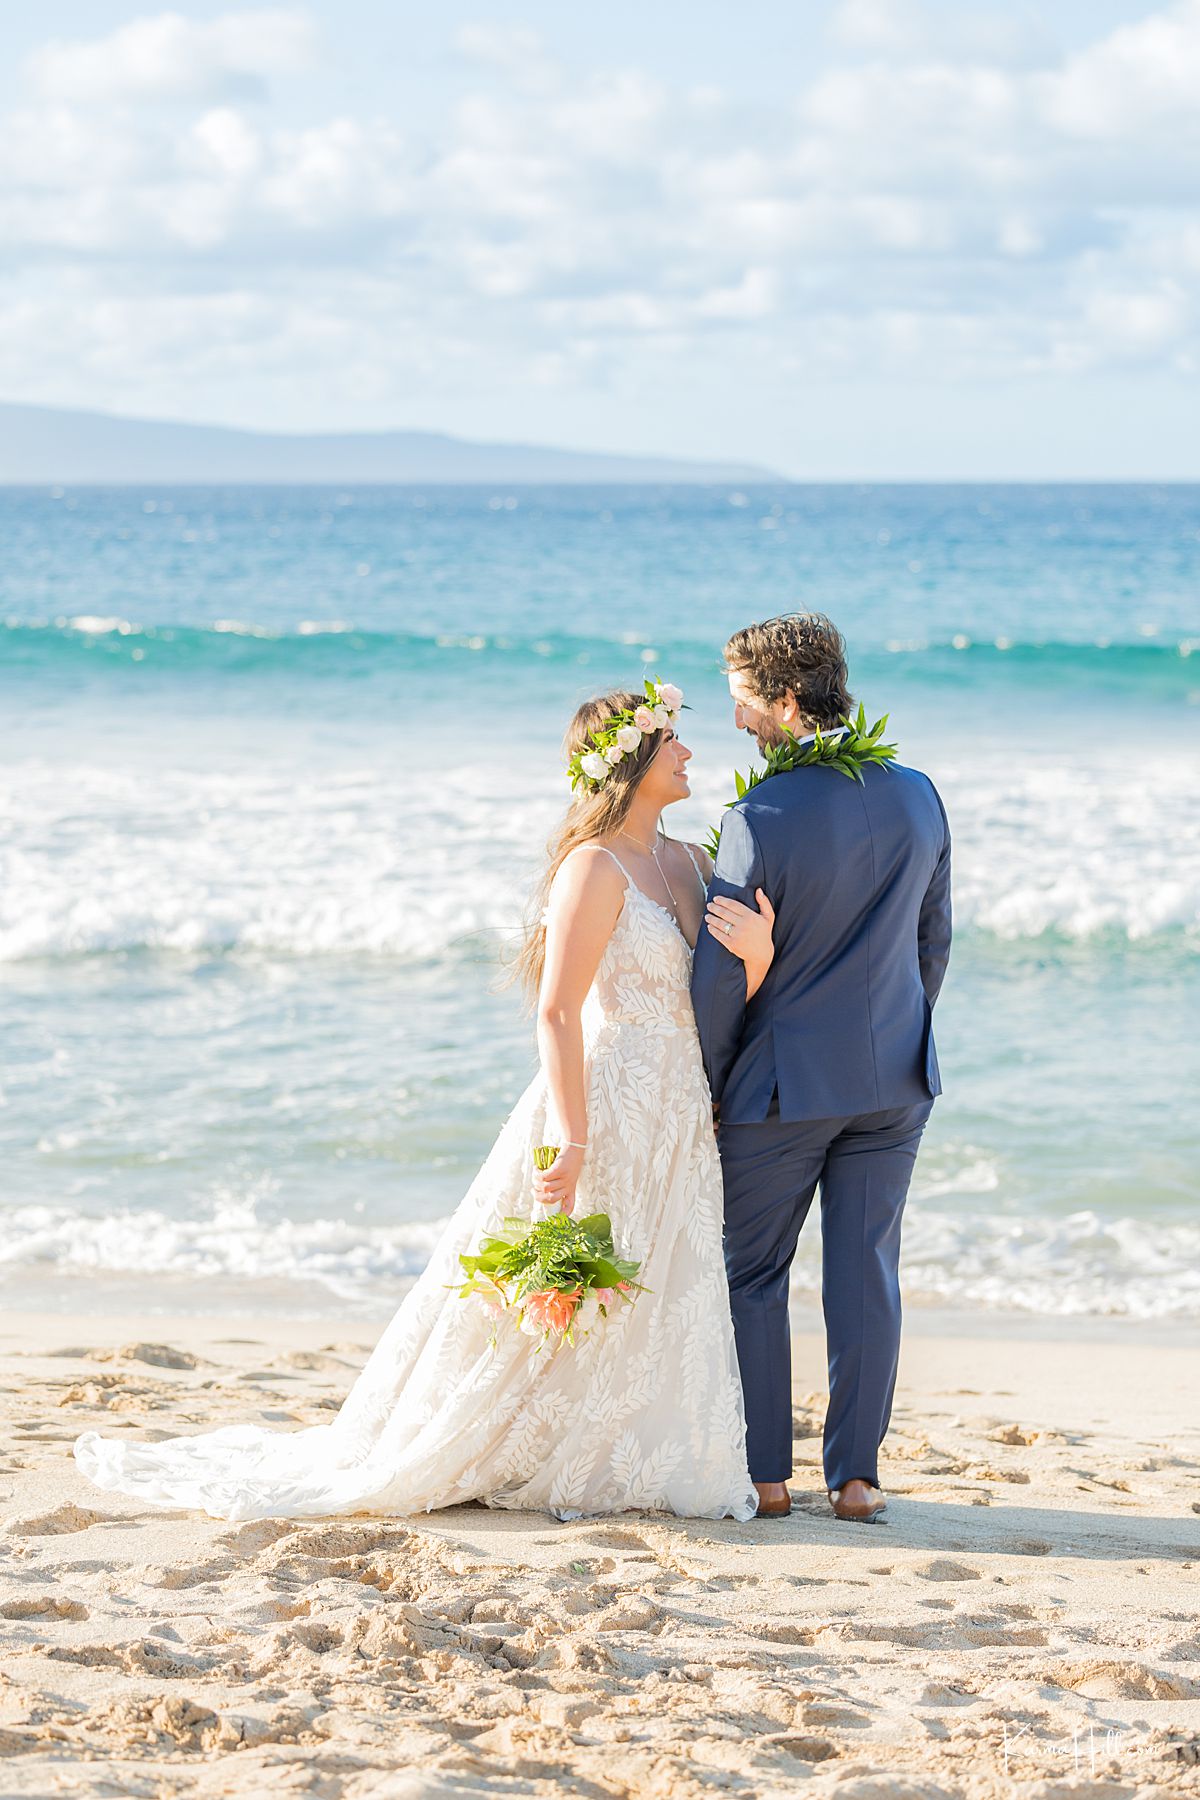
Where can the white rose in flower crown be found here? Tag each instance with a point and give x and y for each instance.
(613, 755)
(593, 764)
(671, 696)
(629, 738)
(661, 717)
(643, 718)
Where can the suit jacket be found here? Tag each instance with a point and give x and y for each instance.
(859, 877)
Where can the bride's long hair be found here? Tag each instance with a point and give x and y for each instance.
(591, 815)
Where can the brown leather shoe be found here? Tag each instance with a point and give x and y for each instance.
(858, 1500)
(778, 1506)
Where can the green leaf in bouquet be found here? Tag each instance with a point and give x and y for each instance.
(608, 1274)
(482, 1263)
(598, 1226)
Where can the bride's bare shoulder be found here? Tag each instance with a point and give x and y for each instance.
(588, 875)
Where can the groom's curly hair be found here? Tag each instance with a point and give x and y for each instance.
(803, 654)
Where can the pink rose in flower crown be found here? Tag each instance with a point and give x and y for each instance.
(671, 696)
(554, 1309)
(643, 718)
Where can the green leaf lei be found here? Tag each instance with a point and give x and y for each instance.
(848, 749)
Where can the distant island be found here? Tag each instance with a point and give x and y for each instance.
(43, 444)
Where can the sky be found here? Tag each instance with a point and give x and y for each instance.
(861, 240)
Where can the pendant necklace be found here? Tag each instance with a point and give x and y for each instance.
(653, 849)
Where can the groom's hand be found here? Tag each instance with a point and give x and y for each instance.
(555, 1186)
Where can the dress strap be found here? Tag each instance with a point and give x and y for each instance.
(698, 869)
(607, 852)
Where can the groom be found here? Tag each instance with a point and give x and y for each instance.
(826, 1078)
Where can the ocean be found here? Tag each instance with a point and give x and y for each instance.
(278, 767)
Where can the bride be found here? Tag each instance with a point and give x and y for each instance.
(645, 1410)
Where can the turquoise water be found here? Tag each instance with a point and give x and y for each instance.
(278, 764)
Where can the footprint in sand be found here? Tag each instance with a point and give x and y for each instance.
(310, 1359)
(145, 1658)
(160, 1356)
(316, 1636)
(87, 1656)
(1108, 1680)
(615, 1537)
(590, 1567)
(1014, 1434)
(987, 1636)
(804, 1749)
(940, 1693)
(258, 1535)
(831, 1715)
(180, 1576)
(328, 1543)
(42, 1606)
(62, 1519)
(180, 1721)
(632, 1612)
(944, 1568)
(784, 1633)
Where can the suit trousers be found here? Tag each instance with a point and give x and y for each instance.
(771, 1171)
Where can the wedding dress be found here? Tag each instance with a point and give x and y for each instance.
(644, 1412)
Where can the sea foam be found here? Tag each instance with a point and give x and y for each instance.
(384, 862)
(1074, 1266)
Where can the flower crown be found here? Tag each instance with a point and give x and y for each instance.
(622, 736)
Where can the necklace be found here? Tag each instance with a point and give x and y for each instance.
(652, 850)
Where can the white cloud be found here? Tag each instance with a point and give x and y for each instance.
(514, 51)
(1143, 79)
(169, 57)
(940, 200)
(949, 32)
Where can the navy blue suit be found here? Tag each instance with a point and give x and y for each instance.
(826, 1078)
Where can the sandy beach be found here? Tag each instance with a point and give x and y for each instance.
(1024, 1622)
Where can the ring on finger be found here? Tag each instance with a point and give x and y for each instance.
(729, 928)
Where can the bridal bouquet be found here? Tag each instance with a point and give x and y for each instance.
(554, 1277)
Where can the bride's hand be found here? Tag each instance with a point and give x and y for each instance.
(746, 933)
(555, 1186)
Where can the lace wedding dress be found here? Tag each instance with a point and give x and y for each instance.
(644, 1412)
